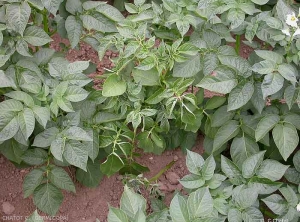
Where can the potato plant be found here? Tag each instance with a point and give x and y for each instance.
(153, 99)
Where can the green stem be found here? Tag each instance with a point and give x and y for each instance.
(155, 178)
(237, 44)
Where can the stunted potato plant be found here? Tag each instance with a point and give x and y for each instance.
(153, 98)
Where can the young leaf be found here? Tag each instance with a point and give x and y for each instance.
(36, 36)
(76, 154)
(192, 181)
(286, 139)
(32, 180)
(194, 162)
(188, 68)
(113, 86)
(61, 179)
(241, 149)
(240, 96)
(251, 164)
(116, 215)
(272, 170)
(265, 125)
(17, 16)
(92, 176)
(131, 202)
(200, 203)
(76, 133)
(74, 29)
(27, 122)
(208, 168)
(112, 164)
(48, 198)
(178, 209)
(225, 133)
(35, 217)
(52, 5)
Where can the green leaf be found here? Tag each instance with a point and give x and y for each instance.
(225, 133)
(35, 217)
(5, 81)
(146, 77)
(178, 209)
(76, 94)
(200, 203)
(246, 198)
(17, 16)
(45, 138)
(257, 98)
(21, 96)
(188, 68)
(78, 66)
(264, 67)
(240, 96)
(113, 86)
(221, 116)
(260, 2)
(57, 148)
(252, 214)
(265, 125)
(110, 12)
(210, 63)
(230, 169)
(272, 84)
(52, 5)
(223, 81)
(194, 162)
(32, 180)
(92, 176)
(98, 22)
(236, 16)
(112, 165)
(48, 198)
(276, 203)
(286, 139)
(208, 168)
(8, 126)
(238, 63)
(272, 170)
(215, 102)
(42, 115)
(13, 150)
(36, 36)
(116, 215)
(11, 105)
(74, 29)
(290, 95)
(74, 6)
(192, 181)
(234, 215)
(22, 48)
(290, 195)
(35, 156)
(76, 133)
(288, 72)
(131, 202)
(269, 55)
(93, 147)
(251, 164)
(27, 122)
(61, 179)
(242, 148)
(296, 160)
(76, 154)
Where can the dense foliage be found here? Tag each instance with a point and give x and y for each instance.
(153, 98)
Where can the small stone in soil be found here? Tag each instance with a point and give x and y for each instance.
(120, 177)
(7, 208)
(175, 158)
(162, 186)
(172, 178)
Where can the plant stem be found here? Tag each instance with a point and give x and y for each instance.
(237, 44)
(161, 172)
